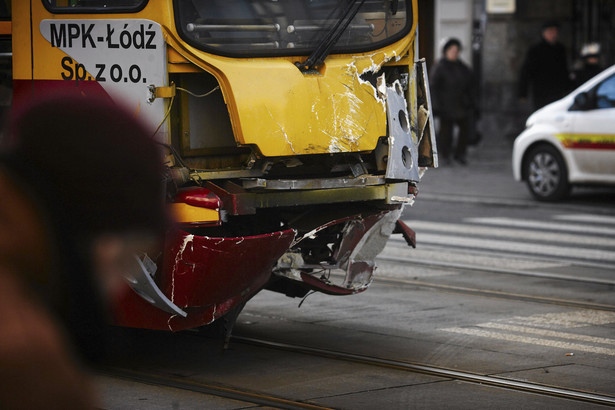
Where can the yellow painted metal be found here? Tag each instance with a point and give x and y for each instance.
(22, 67)
(284, 112)
(272, 105)
(165, 92)
(184, 213)
(587, 140)
(178, 64)
(47, 64)
(48, 60)
(5, 28)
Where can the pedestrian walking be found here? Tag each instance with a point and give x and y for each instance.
(453, 93)
(544, 72)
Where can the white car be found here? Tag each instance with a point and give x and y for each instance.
(570, 141)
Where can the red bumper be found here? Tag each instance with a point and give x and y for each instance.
(205, 276)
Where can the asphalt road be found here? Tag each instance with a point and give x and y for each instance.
(499, 286)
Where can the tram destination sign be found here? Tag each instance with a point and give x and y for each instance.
(124, 57)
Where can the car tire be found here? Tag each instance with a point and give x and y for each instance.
(546, 173)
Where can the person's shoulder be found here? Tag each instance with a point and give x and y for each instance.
(39, 369)
(536, 46)
(462, 66)
(437, 67)
(26, 329)
(560, 46)
(539, 47)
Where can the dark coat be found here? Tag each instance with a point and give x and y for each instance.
(453, 90)
(545, 72)
(586, 73)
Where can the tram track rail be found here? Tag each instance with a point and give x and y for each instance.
(395, 281)
(491, 269)
(265, 399)
(218, 390)
(450, 374)
(498, 294)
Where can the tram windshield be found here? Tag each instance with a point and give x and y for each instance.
(250, 28)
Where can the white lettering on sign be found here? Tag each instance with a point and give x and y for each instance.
(124, 56)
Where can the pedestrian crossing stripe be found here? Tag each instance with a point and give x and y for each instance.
(547, 330)
(512, 233)
(562, 241)
(552, 226)
(587, 218)
(596, 255)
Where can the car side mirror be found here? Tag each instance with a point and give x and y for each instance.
(582, 102)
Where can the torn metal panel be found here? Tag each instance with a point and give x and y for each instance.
(374, 240)
(407, 232)
(422, 117)
(348, 244)
(402, 162)
(141, 280)
(361, 263)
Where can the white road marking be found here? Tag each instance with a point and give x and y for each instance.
(548, 333)
(511, 246)
(399, 249)
(547, 325)
(553, 226)
(597, 219)
(526, 235)
(577, 318)
(532, 340)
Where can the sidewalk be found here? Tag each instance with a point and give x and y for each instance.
(487, 175)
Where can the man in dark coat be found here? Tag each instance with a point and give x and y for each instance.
(453, 94)
(545, 69)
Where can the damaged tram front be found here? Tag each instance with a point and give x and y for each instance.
(295, 132)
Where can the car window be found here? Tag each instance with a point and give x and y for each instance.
(605, 94)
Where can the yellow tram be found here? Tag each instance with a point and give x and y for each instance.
(295, 132)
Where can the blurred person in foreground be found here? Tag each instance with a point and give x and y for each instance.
(80, 191)
(453, 96)
(545, 69)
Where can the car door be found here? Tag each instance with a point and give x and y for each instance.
(592, 141)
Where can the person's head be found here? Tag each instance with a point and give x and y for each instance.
(85, 182)
(451, 49)
(590, 53)
(550, 31)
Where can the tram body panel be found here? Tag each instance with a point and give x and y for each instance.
(279, 176)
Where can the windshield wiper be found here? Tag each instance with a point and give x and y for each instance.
(333, 35)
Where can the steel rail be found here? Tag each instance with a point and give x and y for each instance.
(511, 384)
(497, 294)
(228, 392)
(517, 272)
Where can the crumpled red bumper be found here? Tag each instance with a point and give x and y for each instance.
(205, 276)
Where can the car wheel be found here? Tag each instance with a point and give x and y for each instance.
(546, 174)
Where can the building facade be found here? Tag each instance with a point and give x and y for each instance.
(497, 34)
